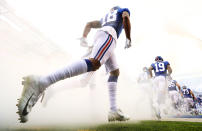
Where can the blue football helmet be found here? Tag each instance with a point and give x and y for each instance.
(184, 87)
(115, 7)
(158, 58)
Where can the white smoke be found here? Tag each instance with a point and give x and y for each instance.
(24, 50)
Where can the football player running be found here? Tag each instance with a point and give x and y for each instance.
(111, 26)
(189, 99)
(175, 93)
(144, 77)
(199, 105)
(162, 69)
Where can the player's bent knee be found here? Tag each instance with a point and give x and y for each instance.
(114, 76)
(115, 72)
(92, 64)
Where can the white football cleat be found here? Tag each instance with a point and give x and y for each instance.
(32, 90)
(117, 116)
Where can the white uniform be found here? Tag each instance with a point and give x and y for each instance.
(160, 93)
(188, 99)
(160, 89)
(104, 45)
(175, 96)
(105, 39)
(173, 92)
(144, 77)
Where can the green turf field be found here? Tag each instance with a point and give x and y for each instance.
(129, 126)
(152, 126)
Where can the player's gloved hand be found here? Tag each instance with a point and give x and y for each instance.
(127, 44)
(83, 42)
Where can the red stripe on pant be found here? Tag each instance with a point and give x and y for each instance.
(103, 49)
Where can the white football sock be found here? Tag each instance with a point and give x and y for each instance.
(112, 95)
(74, 69)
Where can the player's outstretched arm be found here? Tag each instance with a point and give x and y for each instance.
(127, 28)
(169, 69)
(150, 71)
(89, 25)
(126, 24)
(194, 98)
(179, 88)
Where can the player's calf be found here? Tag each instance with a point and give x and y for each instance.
(34, 86)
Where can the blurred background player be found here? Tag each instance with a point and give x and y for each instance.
(199, 104)
(199, 100)
(189, 99)
(161, 69)
(145, 83)
(175, 93)
(102, 53)
(144, 77)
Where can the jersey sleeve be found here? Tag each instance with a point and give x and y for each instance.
(152, 65)
(174, 81)
(167, 63)
(120, 11)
